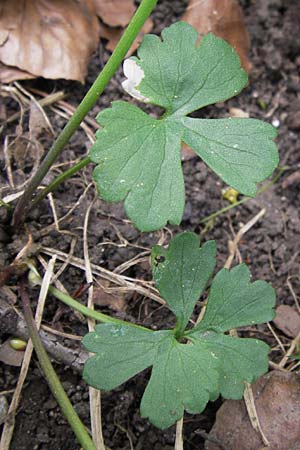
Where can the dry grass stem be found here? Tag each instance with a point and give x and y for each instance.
(95, 395)
(252, 413)
(290, 351)
(233, 245)
(129, 284)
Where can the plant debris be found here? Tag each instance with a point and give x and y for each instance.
(225, 19)
(277, 400)
(50, 39)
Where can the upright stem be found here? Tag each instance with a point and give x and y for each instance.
(53, 380)
(134, 27)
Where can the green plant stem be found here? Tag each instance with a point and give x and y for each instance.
(53, 380)
(88, 312)
(60, 179)
(281, 170)
(35, 278)
(127, 39)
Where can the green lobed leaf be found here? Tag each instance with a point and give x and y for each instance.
(181, 273)
(239, 360)
(138, 157)
(181, 77)
(234, 302)
(240, 151)
(138, 160)
(184, 377)
(120, 353)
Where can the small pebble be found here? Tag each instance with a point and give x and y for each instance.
(275, 123)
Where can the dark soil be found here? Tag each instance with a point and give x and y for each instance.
(271, 248)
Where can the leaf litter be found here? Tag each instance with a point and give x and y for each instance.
(52, 39)
(277, 400)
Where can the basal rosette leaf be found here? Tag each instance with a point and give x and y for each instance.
(185, 376)
(181, 273)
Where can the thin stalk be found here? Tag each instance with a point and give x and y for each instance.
(53, 380)
(60, 179)
(127, 39)
(88, 312)
(35, 279)
(281, 170)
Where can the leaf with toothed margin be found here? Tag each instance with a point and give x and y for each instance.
(138, 157)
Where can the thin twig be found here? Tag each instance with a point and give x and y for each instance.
(234, 244)
(95, 395)
(179, 435)
(290, 351)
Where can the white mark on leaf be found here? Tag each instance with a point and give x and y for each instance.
(134, 74)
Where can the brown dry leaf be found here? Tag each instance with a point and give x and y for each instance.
(113, 36)
(287, 320)
(115, 12)
(9, 74)
(48, 38)
(102, 297)
(277, 400)
(225, 19)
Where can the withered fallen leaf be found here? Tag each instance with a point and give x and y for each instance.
(48, 38)
(287, 320)
(115, 12)
(113, 36)
(8, 74)
(102, 297)
(277, 401)
(225, 19)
